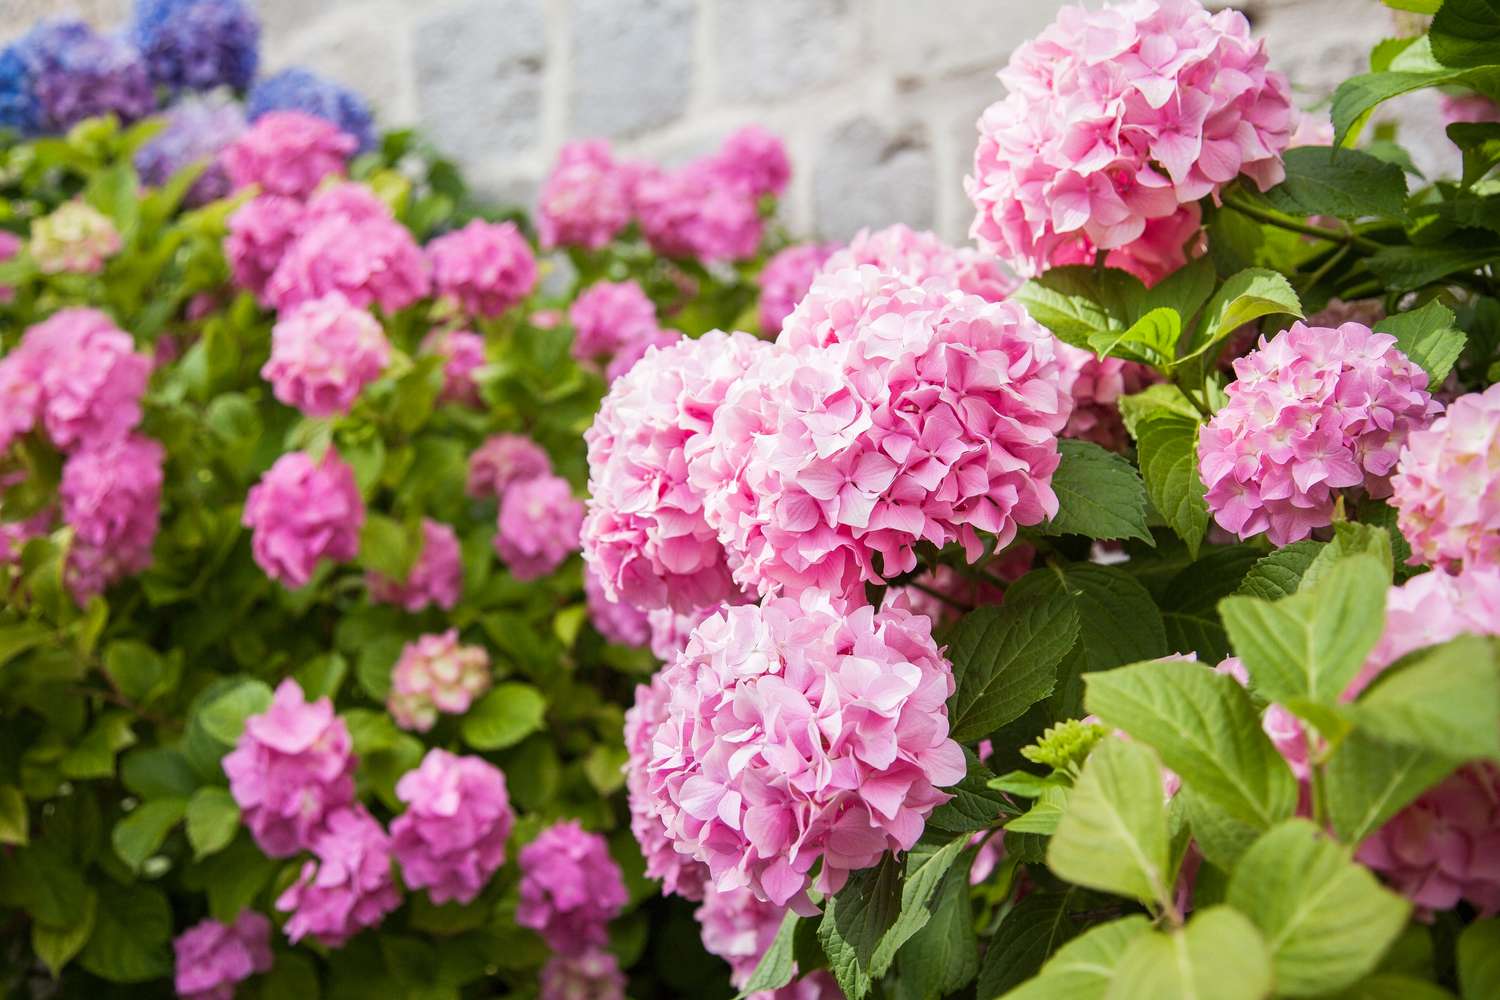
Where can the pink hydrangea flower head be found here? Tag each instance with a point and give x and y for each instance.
(670, 630)
(303, 511)
(891, 413)
(593, 975)
(739, 927)
(1447, 485)
(436, 580)
(626, 358)
(645, 535)
(75, 238)
(1164, 246)
(486, 267)
(920, 256)
(757, 160)
(502, 461)
(679, 874)
(211, 958)
(463, 354)
(539, 526)
(570, 888)
(785, 280)
(90, 378)
(698, 212)
(371, 261)
(1468, 108)
(287, 152)
(20, 394)
(1431, 609)
(616, 621)
(10, 245)
(451, 838)
(800, 731)
(1118, 116)
(586, 200)
(323, 353)
(347, 200)
(350, 887)
(607, 316)
(1312, 411)
(435, 674)
(260, 231)
(111, 496)
(1096, 385)
(292, 767)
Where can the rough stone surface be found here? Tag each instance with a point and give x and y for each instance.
(868, 175)
(922, 40)
(773, 49)
(632, 64)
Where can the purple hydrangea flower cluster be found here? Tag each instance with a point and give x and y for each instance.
(197, 44)
(299, 89)
(197, 129)
(62, 72)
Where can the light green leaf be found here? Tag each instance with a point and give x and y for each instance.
(1219, 955)
(1415, 6)
(15, 818)
(1077, 301)
(1184, 291)
(322, 676)
(1393, 986)
(504, 717)
(1368, 781)
(1247, 296)
(389, 547)
(1044, 815)
(775, 967)
(943, 956)
(1151, 340)
(224, 717)
(1350, 538)
(212, 819)
(1345, 183)
(132, 934)
(1447, 701)
(135, 668)
(1220, 836)
(1169, 465)
(94, 755)
(57, 946)
(1427, 336)
(1084, 968)
(1359, 95)
(1100, 495)
(1278, 574)
(1479, 960)
(1160, 400)
(19, 637)
(140, 834)
(1325, 919)
(1114, 834)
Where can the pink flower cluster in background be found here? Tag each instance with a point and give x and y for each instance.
(502, 461)
(451, 838)
(785, 280)
(302, 512)
(350, 886)
(436, 579)
(593, 975)
(539, 524)
(211, 958)
(485, 267)
(570, 889)
(615, 321)
(1447, 485)
(287, 153)
(462, 352)
(111, 496)
(323, 354)
(739, 928)
(586, 200)
(435, 674)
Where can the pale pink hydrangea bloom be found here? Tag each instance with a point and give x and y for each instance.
(920, 256)
(785, 280)
(570, 888)
(287, 152)
(1311, 411)
(436, 579)
(75, 238)
(626, 358)
(350, 886)
(1284, 729)
(292, 767)
(1431, 609)
(503, 460)
(615, 620)
(1096, 385)
(451, 838)
(111, 496)
(347, 200)
(607, 316)
(593, 975)
(1119, 116)
(798, 732)
(260, 231)
(645, 535)
(1163, 247)
(10, 245)
(698, 212)
(80, 375)
(539, 525)
(463, 354)
(1467, 108)
(586, 200)
(211, 958)
(738, 927)
(1447, 485)
(372, 261)
(486, 267)
(757, 160)
(323, 353)
(890, 413)
(303, 511)
(670, 630)
(435, 674)
(679, 874)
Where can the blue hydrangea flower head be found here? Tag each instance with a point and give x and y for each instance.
(197, 44)
(18, 105)
(77, 73)
(298, 89)
(198, 127)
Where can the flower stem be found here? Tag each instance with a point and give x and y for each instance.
(1306, 229)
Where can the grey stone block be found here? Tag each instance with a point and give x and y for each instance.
(869, 175)
(632, 65)
(770, 49)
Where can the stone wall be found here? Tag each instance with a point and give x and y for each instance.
(876, 98)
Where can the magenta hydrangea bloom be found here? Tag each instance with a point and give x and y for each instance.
(462, 352)
(288, 153)
(785, 280)
(211, 958)
(347, 200)
(303, 511)
(755, 159)
(539, 526)
(739, 928)
(15, 534)
(1119, 116)
(626, 358)
(593, 975)
(698, 212)
(616, 621)
(1447, 485)
(503, 460)
(586, 200)
(679, 874)
(260, 231)
(350, 886)
(891, 413)
(323, 354)
(111, 496)
(609, 315)
(570, 888)
(645, 535)
(1162, 247)
(1312, 411)
(921, 256)
(292, 767)
(370, 260)
(435, 674)
(451, 838)
(798, 732)
(1096, 385)
(435, 580)
(85, 380)
(486, 267)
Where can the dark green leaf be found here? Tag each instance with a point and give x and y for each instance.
(1100, 495)
(974, 806)
(1278, 574)
(1479, 960)
(1480, 142)
(1084, 968)
(1169, 465)
(1037, 926)
(1466, 33)
(943, 955)
(1345, 183)
(141, 833)
(132, 934)
(1406, 269)
(1427, 336)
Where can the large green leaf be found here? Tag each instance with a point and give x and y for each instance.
(1217, 834)
(1099, 494)
(1028, 935)
(1247, 296)
(1076, 301)
(1367, 781)
(1427, 336)
(1190, 601)
(775, 967)
(212, 820)
(1325, 918)
(1169, 465)
(856, 919)
(57, 946)
(1446, 702)
(141, 833)
(504, 717)
(1084, 968)
(975, 805)
(1279, 573)
(1359, 95)
(1466, 33)
(1150, 340)
(1479, 960)
(1118, 621)
(926, 864)
(1219, 955)
(132, 934)
(224, 717)
(943, 955)
(1344, 183)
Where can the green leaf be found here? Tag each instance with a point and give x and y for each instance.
(1169, 465)
(1310, 645)
(1219, 954)
(132, 934)
(1114, 834)
(1480, 142)
(1466, 33)
(1392, 986)
(1415, 6)
(975, 805)
(504, 717)
(1084, 968)
(1479, 960)
(1005, 660)
(20, 637)
(1118, 621)
(388, 547)
(1359, 95)
(1350, 538)
(212, 819)
(57, 946)
(943, 956)
(1427, 336)
(1405, 269)
(232, 878)
(1447, 701)
(224, 717)
(1245, 297)
(94, 755)
(1076, 301)
(1190, 600)
(1044, 815)
(854, 921)
(1205, 728)
(1100, 495)
(322, 676)
(140, 834)
(1027, 936)
(40, 879)
(1325, 918)
(135, 668)
(1159, 400)
(158, 773)
(1368, 781)
(1345, 183)
(926, 864)
(776, 966)
(1184, 290)
(1278, 574)
(1151, 340)
(15, 818)
(1220, 836)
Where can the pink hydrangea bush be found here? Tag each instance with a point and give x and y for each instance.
(756, 160)
(451, 838)
(349, 888)
(212, 958)
(111, 497)
(287, 153)
(302, 512)
(608, 316)
(324, 352)
(538, 526)
(370, 261)
(485, 267)
(739, 928)
(586, 199)
(1312, 411)
(615, 620)
(462, 352)
(260, 231)
(698, 211)
(435, 580)
(292, 767)
(1118, 116)
(502, 461)
(679, 874)
(1446, 489)
(785, 280)
(798, 732)
(593, 975)
(570, 888)
(921, 256)
(435, 674)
